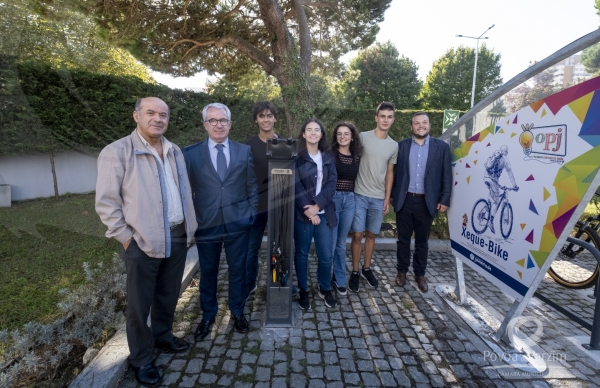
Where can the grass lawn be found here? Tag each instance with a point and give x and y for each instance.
(43, 244)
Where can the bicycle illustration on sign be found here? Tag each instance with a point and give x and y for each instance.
(485, 210)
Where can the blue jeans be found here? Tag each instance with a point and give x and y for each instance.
(303, 235)
(255, 237)
(344, 212)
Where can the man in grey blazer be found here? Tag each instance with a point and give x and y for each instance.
(422, 187)
(225, 196)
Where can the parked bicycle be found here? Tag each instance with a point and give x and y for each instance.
(574, 266)
(481, 215)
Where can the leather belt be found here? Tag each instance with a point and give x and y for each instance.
(415, 194)
(176, 225)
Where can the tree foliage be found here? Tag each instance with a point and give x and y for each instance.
(449, 83)
(254, 85)
(541, 86)
(44, 109)
(590, 57)
(69, 40)
(379, 74)
(285, 38)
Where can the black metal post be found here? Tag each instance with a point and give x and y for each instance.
(282, 154)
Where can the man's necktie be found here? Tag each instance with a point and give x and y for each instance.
(221, 162)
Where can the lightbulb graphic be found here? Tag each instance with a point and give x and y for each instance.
(526, 138)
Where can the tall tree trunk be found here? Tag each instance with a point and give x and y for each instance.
(290, 62)
(295, 90)
(54, 175)
(296, 103)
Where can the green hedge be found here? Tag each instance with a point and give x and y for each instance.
(365, 120)
(43, 109)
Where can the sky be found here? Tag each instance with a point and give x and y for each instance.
(422, 30)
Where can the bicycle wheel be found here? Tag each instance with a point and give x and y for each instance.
(506, 220)
(480, 216)
(574, 266)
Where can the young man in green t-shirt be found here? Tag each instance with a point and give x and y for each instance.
(372, 192)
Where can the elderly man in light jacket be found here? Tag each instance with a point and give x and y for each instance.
(143, 196)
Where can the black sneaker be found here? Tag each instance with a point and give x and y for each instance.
(340, 290)
(369, 277)
(304, 301)
(354, 283)
(327, 296)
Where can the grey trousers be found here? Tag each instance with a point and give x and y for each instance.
(152, 283)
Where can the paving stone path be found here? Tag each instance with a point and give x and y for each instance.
(389, 336)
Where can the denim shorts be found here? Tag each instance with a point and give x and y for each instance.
(368, 214)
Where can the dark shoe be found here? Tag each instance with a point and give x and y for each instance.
(422, 283)
(304, 301)
(240, 324)
(328, 297)
(175, 345)
(204, 329)
(294, 292)
(354, 283)
(340, 290)
(401, 279)
(147, 375)
(369, 277)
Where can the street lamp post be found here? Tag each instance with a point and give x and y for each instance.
(476, 54)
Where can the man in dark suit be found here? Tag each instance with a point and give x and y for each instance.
(422, 186)
(225, 195)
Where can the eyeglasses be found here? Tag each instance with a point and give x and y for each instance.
(345, 134)
(214, 122)
(312, 130)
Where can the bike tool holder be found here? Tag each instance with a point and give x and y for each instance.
(282, 155)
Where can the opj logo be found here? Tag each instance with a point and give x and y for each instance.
(550, 140)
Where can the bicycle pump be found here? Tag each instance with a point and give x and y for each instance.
(282, 155)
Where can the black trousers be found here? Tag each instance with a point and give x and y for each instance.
(152, 283)
(413, 217)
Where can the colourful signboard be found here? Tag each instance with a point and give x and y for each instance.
(518, 183)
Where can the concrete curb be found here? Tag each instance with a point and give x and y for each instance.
(110, 364)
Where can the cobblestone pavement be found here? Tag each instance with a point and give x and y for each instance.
(389, 336)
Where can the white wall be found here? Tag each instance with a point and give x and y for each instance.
(30, 176)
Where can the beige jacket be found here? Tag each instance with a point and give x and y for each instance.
(129, 195)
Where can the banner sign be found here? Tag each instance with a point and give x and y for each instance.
(518, 183)
(450, 117)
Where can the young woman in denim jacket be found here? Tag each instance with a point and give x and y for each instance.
(345, 148)
(314, 215)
